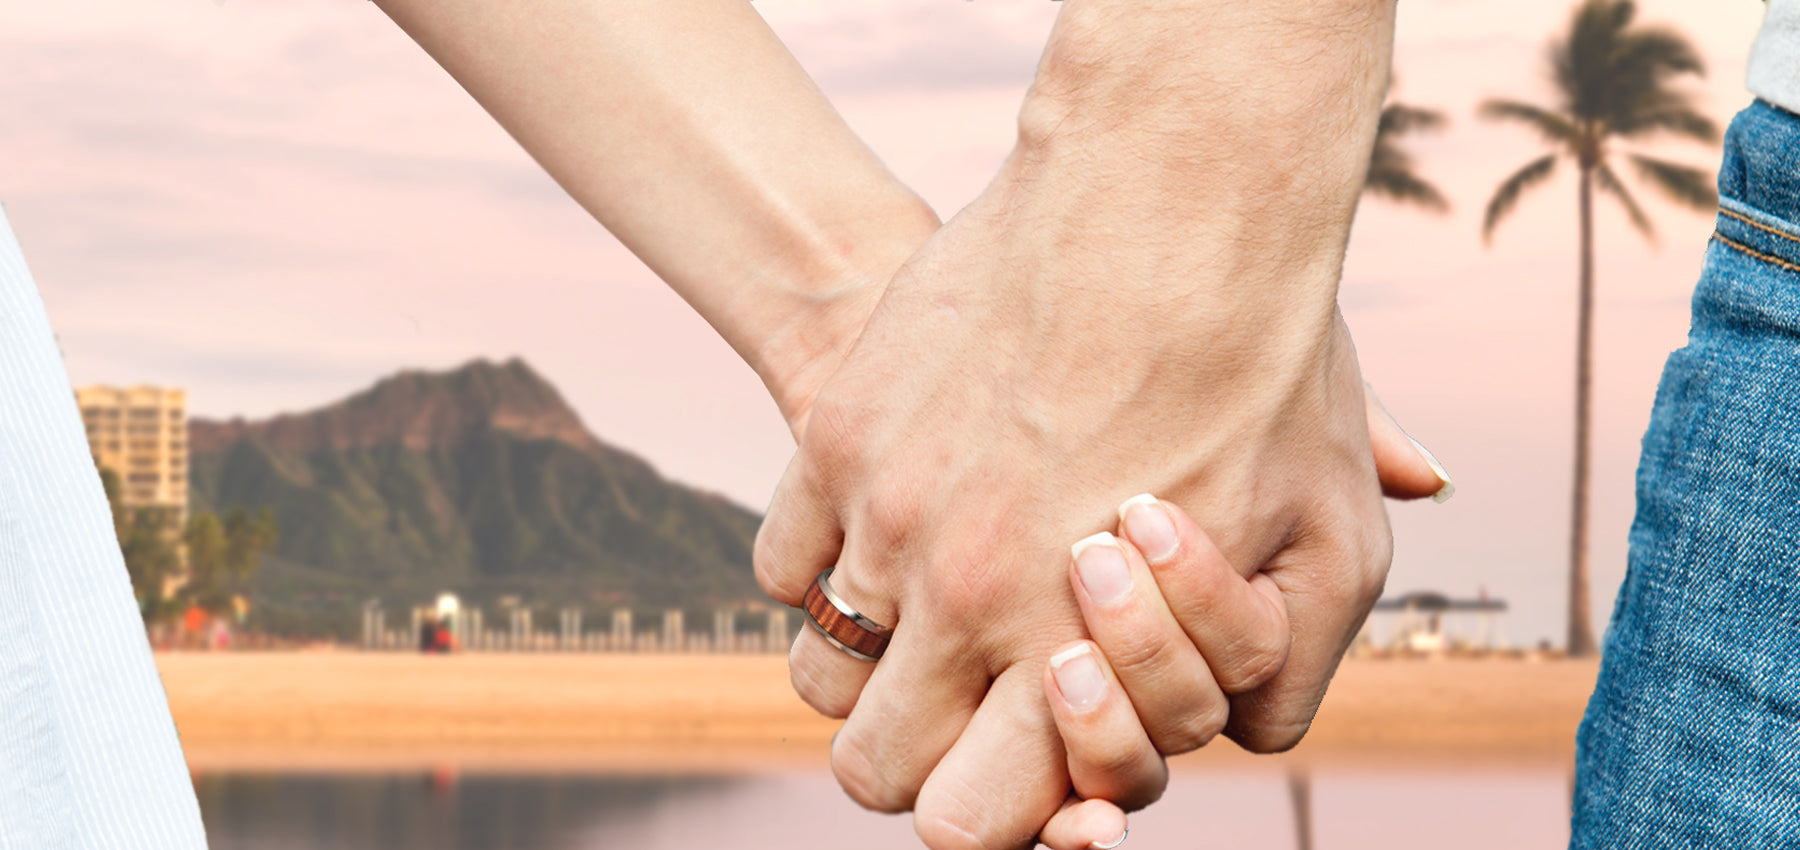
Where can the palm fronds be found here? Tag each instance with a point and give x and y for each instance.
(1608, 182)
(1555, 128)
(1507, 196)
(1391, 171)
(1683, 184)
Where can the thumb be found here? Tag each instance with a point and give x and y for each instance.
(1407, 469)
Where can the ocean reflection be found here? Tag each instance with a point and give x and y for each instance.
(1340, 809)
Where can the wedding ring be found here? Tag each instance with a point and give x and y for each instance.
(843, 626)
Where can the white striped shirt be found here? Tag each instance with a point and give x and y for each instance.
(88, 752)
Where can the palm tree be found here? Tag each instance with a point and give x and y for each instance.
(1613, 83)
(1391, 168)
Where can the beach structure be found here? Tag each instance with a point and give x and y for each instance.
(621, 636)
(374, 625)
(674, 636)
(724, 631)
(734, 628)
(141, 434)
(1420, 623)
(776, 634)
(569, 628)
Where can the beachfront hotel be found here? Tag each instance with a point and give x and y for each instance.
(140, 433)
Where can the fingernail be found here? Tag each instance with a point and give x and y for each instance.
(1449, 487)
(1114, 843)
(1100, 564)
(1149, 526)
(1078, 676)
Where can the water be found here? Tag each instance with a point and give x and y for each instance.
(1390, 809)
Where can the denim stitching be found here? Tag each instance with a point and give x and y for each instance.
(1773, 260)
(1759, 225)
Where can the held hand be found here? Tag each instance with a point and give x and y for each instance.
(1173, 624)
(1163, 670)
(1115, 314)
(1127, 308)
(975, 425)
(1142, 667)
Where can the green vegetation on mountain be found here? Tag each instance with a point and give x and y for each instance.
(480, 481)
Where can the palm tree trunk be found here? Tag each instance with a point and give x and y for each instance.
(1581, 628)
(1300, 794)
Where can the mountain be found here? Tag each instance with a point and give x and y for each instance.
(480, 480)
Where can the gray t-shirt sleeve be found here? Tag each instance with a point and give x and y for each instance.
(1775, 57)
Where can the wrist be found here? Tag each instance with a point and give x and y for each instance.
(1214, 122)
(812, 310)
(1147, 55)
(1196, 87)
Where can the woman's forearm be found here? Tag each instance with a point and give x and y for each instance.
(689, 131)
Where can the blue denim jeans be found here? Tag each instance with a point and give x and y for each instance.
(1692, 738)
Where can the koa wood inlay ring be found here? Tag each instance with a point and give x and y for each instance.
(845, 628)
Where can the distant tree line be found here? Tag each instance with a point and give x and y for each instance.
(221, 555)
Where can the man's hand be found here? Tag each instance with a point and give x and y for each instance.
(1143, 300)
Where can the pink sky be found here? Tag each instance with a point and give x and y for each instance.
(274, 203)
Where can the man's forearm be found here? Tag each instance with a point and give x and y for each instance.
(689, 131)
(1230, 122)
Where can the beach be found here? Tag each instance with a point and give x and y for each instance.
(346, 710)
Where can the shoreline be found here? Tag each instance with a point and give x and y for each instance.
(355, 711)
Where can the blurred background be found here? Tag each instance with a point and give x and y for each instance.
(439, 504)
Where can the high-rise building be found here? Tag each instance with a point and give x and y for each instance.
(141, 434)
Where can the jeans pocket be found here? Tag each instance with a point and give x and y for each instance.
(1758, 235)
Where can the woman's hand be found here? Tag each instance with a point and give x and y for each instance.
(1141, 654)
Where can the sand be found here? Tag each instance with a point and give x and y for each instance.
(349, 710)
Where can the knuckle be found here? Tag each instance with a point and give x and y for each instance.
(957, 827)
(892, 516)
(1267, 738)
(788, 545)
(1140, 652)
(1256, 661)
(1372, 568)
(967, 585)
(1193, 589)
(1360, 554)
(1353, 551)
(870, 788)
(774, 575)
(1369, 587)
(1192, 730)
(1114, 769)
